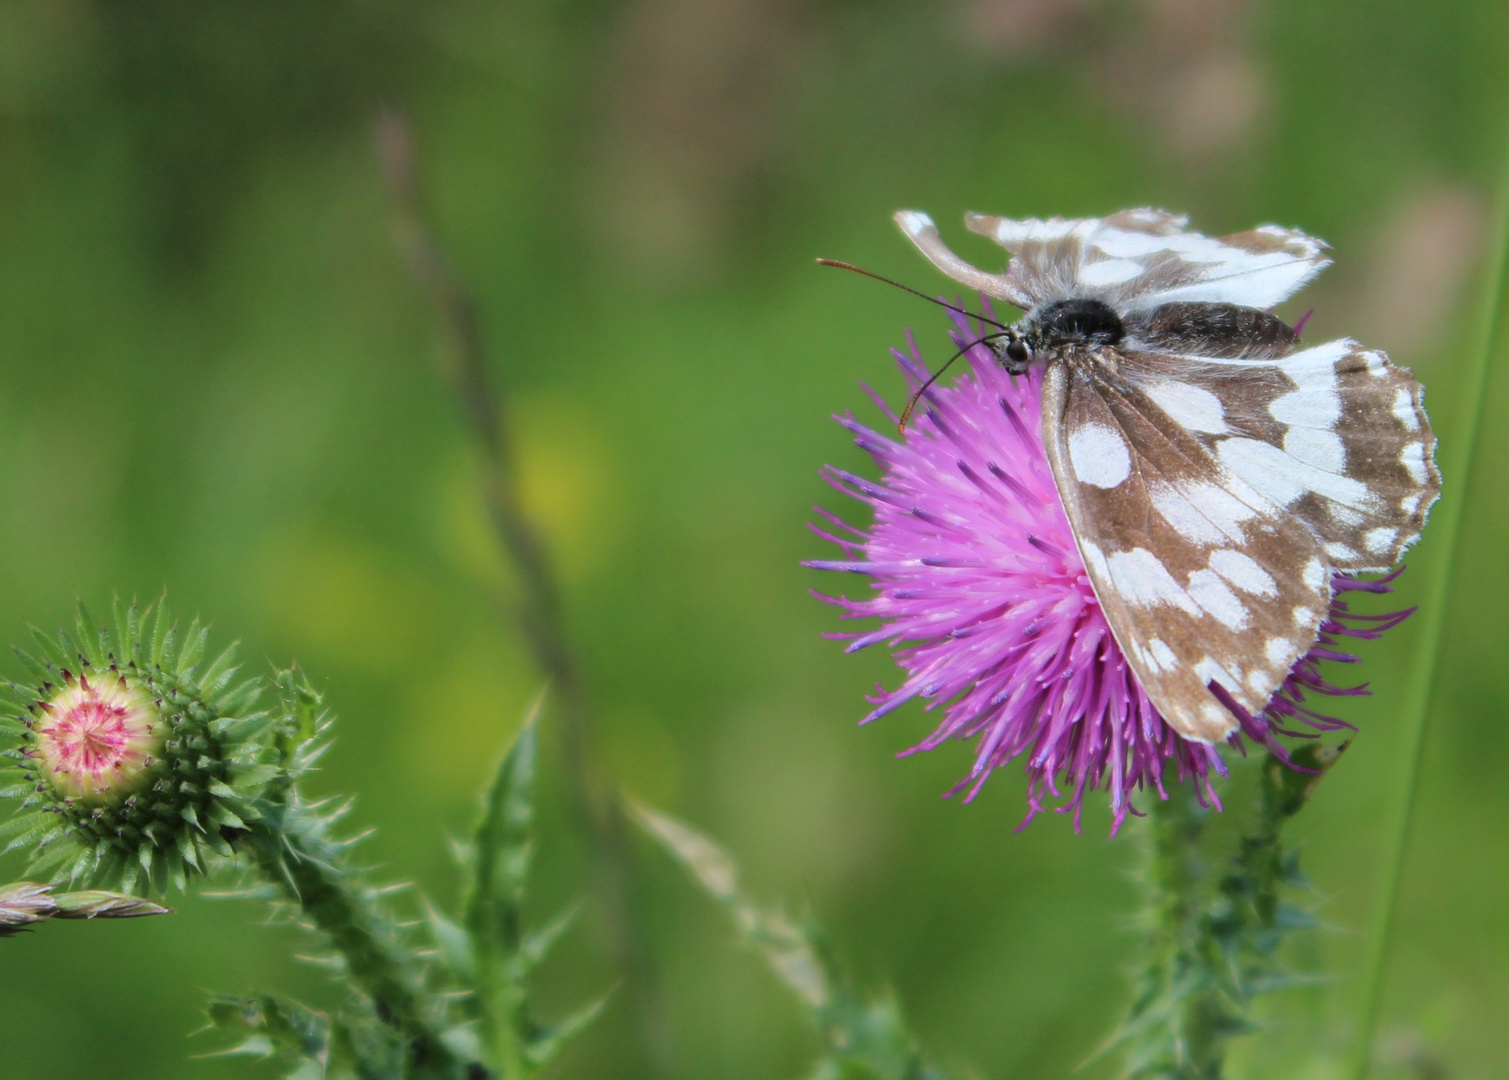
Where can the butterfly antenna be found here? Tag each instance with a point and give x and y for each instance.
(907, 288)
(911, 404)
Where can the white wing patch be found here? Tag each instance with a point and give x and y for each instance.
(1142, 579)
(1283, 476)
(1321, 449)
(1099, 456)
(1243, 572)
(1316, 407)
(1412, 457)
(1185, 514)
(1193, 406)
(1208, 590)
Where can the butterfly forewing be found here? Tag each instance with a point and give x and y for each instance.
(1201, 578)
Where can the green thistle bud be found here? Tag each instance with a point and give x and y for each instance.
(133, 766)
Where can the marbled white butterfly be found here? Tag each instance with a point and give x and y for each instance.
(1216, 474)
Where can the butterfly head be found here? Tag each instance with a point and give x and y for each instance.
(1013, 351)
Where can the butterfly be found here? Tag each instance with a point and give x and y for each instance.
(1215, 472)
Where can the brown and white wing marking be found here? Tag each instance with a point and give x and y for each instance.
(1135, 260)
(1202, 579)
(1334, 435)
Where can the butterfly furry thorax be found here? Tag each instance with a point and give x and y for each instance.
(1215, 472)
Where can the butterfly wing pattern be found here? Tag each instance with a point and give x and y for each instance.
(1214, 487)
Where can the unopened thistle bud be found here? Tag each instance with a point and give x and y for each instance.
(134, 766)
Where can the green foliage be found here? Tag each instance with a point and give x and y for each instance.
(489, 953)
(864, 1036)
(307, 1042)
(455, 1006)
(1212, 948)
(225, 778)
(395, 1025)
(1418, 706)
(189, 802)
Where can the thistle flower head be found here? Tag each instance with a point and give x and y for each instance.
(133, 764)
(977, 576)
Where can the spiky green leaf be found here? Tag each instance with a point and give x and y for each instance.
(536, 944)
(453, 944)
(548, 1042)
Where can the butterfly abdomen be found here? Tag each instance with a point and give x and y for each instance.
(1223, 331)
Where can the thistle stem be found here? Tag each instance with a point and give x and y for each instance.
(311, 878)
(1178, 1024)
(1179, 873)
(1446, 535)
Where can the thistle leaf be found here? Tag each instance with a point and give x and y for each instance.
(487, 953)
(501, 843)
(783, 945)
(278, 1025)
(103, 904)
(453, 943)
(538, 943)
(549, 1042)
(309, 1044)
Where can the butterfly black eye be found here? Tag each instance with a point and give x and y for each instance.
(1016, 351)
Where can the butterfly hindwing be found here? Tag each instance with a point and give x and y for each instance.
(1202, 580)
(1333, 434)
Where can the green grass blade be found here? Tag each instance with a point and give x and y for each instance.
(779, 940)
(1445, 533)
(865, 1035)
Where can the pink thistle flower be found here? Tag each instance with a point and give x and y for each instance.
(96, 740)
(978, 577)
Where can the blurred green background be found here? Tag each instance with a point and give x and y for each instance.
(216, 376)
